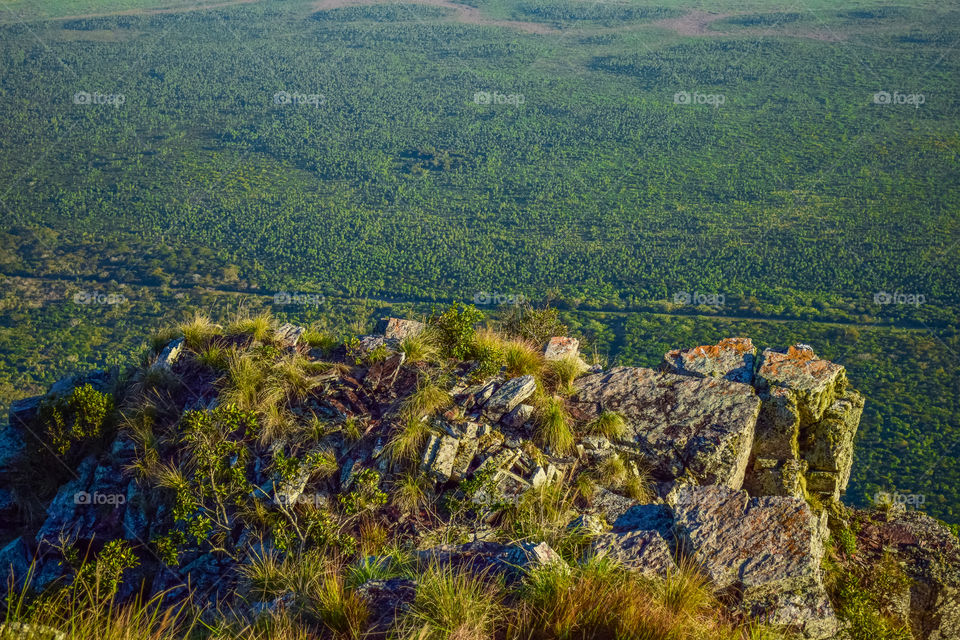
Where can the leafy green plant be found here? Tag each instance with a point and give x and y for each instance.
(456, 327)
(80, 417)
(364, 495)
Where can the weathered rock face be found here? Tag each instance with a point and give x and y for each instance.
(287, 335)
(731, 359)
(643, 551)
(929, 601)
(808, 415)
(398, 328)
(813, 382)
(170, 353)
(509, 395)
(767, 551)
(699, 427)
(560, 347)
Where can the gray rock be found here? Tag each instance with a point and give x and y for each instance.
(509, 395)
(758, 549)
(647, 517)
(611, 505)
(386, 600)
(288, 335)
(731, 359)
(769, 477)
(519, 416)
(169, 355)
(645, 552)
(587, 524)
(559, 347)
(398, 328)
(14, 562)
(439, 457)
(814, 383)
(701, 427)
(929, 554)
(827, 445)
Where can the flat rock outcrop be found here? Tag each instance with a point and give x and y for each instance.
(682, 426)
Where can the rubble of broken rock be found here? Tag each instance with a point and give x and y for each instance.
(746, 455)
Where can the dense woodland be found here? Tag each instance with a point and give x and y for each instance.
(798, 200)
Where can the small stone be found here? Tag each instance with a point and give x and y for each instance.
(509, 395)
(169, 355)
(288, 335)
(558, 348)
(519, 416)
(398, 328)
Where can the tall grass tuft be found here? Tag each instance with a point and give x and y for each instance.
(552, 425)
(608, 424)
(453, 603)
(522, 358)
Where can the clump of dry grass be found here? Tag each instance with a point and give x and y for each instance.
(453, 603)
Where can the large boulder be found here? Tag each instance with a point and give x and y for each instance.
(731, 359)
(814, 383)
(701, 428)
(764, 552)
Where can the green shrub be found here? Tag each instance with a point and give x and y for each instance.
(80, 417)
(456, 327)
(537, 325)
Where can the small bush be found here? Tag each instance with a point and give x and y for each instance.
(80, 417)
(522, 358)
(528, 323)
(456, 328)
(488, 353)
(609, 424)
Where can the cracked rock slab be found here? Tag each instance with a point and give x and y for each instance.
(645, 552)
(762, 550)
(697, 427)
(510, 394)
